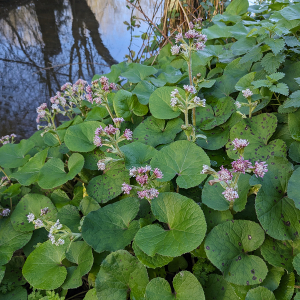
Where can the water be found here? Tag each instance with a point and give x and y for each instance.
(45, 43)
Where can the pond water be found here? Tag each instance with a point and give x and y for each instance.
(45, 43)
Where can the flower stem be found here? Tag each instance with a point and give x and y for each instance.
(191, 82)
(4, 173)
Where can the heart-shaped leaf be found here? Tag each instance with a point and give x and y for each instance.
(185, 284)
(80, 254)
(238, 238)
(185, 221)
(112, 227)
(154, 131)
(143, 90)
(276, 213)
(109, 185)
(184, 159)
(11, 240)
(31, 203)
(257, 131)
(80, 137)
(160, 103)
(52, 275)
(120, 274)
(138, 72)
(53, 172)
(213, 198)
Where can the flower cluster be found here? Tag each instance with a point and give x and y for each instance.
(5, 212)
(251, 104)
(4, 181)
(247, 93)
(145, 177)
(229, 178)
(6, 139)
(55, 228)
(191, 100)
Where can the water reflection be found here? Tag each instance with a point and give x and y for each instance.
(44, 44)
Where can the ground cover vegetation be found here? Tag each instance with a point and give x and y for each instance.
(177, 178)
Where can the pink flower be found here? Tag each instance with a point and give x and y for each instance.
(118, 120)
(142, 194)
(200, 46)
(81, 82)
(105, 87)
(191, 25)
(202, 38)
(158, 173)
(127, 134)
(103, 80)
(247, 93)
(66, 86)
(99, 130)
(113, 86)
(101, 165)
(241, 165)
(88, 89)
(98, 100)
(110, 130)
(224, 174)
(239, 144)
(152, 193)
(5, 212)
(97, 141)
(132, 172)
(142, 179)
(175, 50)
(89, 98)
(260, 169)
(230, 194)
(126, 188)
(192, 34)
(178, 37)
(189, 88)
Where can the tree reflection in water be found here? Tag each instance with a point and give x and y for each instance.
(79, 37)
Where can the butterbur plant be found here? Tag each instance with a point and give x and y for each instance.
(117, 197)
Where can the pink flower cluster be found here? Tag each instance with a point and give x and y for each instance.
(230, 194)
(144, 177)
(105, 85)
(5, 212)
(6, 139)
(41, 111)
(239, 144)
(190, 89)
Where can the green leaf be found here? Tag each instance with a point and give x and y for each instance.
(88, 204)
(119, 274)
(273, 278)
(52, 274)
(80, 137)
(154, 131)
(153, 262)
(276, 45)
(260, 293)
(11, 240)
(31, 203)
(96, 114)
(91, 158)
(126, 104)
(245, 82)
(184, 159)
(59, 198)
(294, 125)
(91, 295)
(276, 213)
(291, 12)
(14, 155)
(29, 173)
(213, 198)
(18, 293)
(237, 7)
(138, 72)
(137, 154)
(53, 172)
(112, 227)
(255, 54)
(285, 290)
(143, 90)
(280, 253)
(292, 188)
(13, 273)
(186, 225)
(185, 284)
(271, 62)
(159, 103)
(109, 185)
(237, 237)
(81, 255)
(2, 272)
(216, 138)
(69, 215)
(257, 131)
(293, 100)
(294, 151)
(280, 88)
(39, 236)
(218, 288)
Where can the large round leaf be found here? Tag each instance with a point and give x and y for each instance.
(293, 186)
(227, 247)
(185, 284)
(29, 173)
(109, 185)
(218, 288)
(112, 227)
(186, 223)
(121, 273)
(155, 132)
(260, 293)
(69, 215)
(143, 90)
(280, 253)
(53, 172)
(160, 103)
(18, 293)
(153, 262)
(137, 72)
(11, 240)
(31, 203)
(257, 131)
(80, 254)
(213, 198)
(276, 213)
(52, 274)
(80, 137)
(126, 104)
(216, 138)
(184, 159)
(91, 158)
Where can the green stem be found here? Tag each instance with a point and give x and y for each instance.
(186, 116)
(108, 109)
(191, 82)
(4, 173)
(120, 153)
